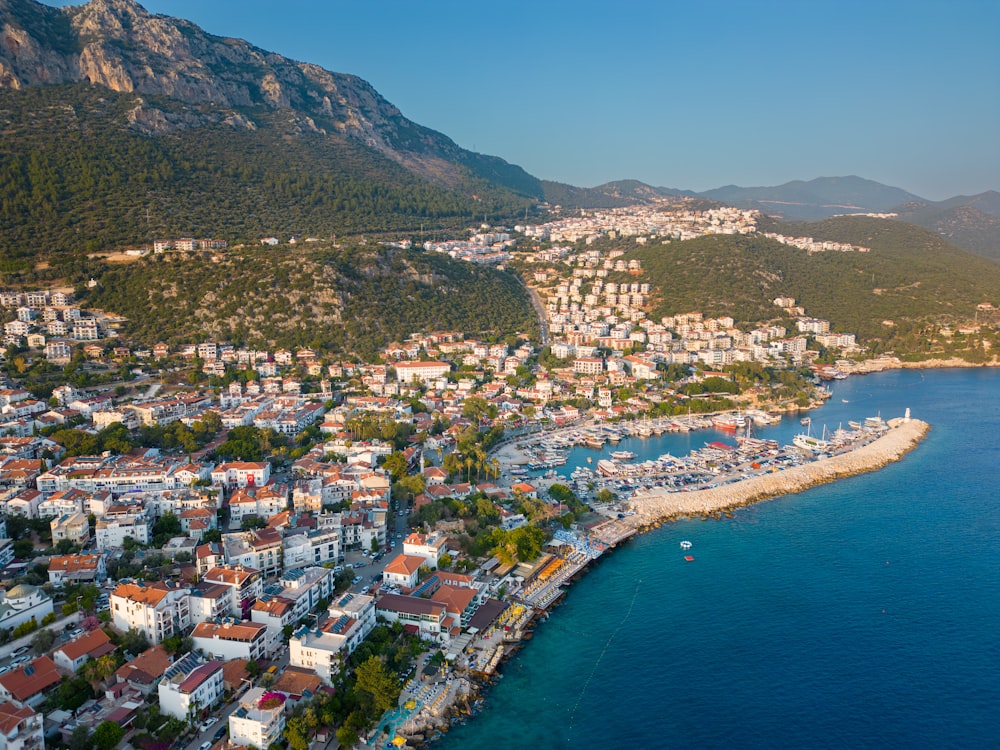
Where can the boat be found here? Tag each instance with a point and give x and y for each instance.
(622, 455)
(805, 421)
(590, 459)
(685, 545)
(689, 558)
(810, 443)
(728, 422)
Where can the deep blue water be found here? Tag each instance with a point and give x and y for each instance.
(864, 613)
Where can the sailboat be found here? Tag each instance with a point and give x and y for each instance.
(813, 444)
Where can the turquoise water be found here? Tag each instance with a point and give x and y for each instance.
(863, 613)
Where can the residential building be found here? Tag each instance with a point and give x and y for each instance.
(430, 547)
(91, 645)
(424, 617)
(257, 722)
(403, 571)
(121, 522)
(158, 610)
(259, 549)
(275, 613)
(310, 548)
(246, 584)
(209, 601)
(27, 685)
(20, 728)
(230, 639)
(351, 619)
(189, 687)
(75, 528)
(144, 671)
(77, 569)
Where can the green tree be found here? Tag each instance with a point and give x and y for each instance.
(43, 641)
(80, 739)
(373, 678)
(107, 735)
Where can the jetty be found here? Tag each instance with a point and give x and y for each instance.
(649, 508)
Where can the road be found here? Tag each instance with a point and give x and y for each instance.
(58, 627)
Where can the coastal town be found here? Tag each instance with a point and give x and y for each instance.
(221, 532)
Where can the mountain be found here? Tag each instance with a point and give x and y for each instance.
(815, 199)
(173, 116)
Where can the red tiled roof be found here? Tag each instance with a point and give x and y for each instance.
(32, 678)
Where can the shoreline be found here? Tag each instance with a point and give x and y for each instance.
(653, 508)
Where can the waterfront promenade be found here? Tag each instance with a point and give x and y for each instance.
(654, 506)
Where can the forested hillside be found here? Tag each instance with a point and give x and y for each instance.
(349, 301)
(909, 275)
(74, 177)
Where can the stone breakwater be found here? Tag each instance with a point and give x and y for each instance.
(653, 507)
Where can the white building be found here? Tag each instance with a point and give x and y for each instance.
(421, 372)
(158, 610)
(23, 603)
(189, 686)
(229, 639)
(254, 722)
(311, 548)
(20, 728)
(242, 474)
(429, 547)
(245, 583)
(351, 619)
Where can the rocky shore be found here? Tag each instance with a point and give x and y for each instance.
(654, 507)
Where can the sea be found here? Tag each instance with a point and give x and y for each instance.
(862, 613)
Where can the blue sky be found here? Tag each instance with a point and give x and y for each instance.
(688, 95)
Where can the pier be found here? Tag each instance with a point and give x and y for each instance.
(649, 508)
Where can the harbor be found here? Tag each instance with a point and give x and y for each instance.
(898, 438)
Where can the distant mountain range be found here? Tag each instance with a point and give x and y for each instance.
(120, 126)
(970, 222)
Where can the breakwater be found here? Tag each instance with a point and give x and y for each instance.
(654, 506)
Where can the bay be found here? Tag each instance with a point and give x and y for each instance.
(860, 613)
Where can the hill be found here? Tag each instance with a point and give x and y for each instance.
(971, 222)
(344, 300)
(910, 276)
(164, 128)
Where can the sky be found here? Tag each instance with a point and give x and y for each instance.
(692, 95)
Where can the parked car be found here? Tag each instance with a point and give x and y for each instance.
(220, 734)
(206, 745)
(208, 723)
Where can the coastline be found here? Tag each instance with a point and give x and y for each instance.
(650, 510)
(653, 508)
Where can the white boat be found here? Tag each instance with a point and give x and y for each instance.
(685, 545)
(622, 455)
